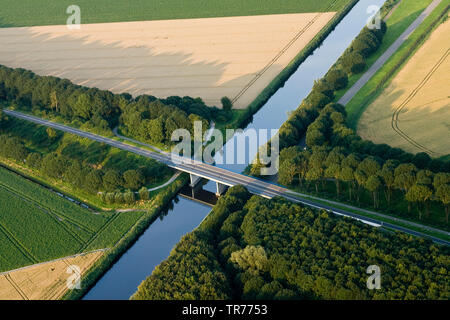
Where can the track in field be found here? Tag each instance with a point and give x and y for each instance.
(280, 53)
(398, 110)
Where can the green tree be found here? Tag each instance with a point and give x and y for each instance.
(443, 194)
(51, 133)
(144, 194)
(93, 181)
(129, 197)
(227, 104)
(252, 259)
(133, 179)
(112, 180)
(373, 184)
(337, 78)
(418, 194)
(347, 176)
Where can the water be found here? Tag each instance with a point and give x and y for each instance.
(122, 280)
(152, 247)
(275, 111)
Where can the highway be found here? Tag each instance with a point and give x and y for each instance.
(219, 175)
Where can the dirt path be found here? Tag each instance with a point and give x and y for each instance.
(387, 54)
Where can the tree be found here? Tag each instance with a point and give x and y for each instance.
(129, 197)
(405, 176)
(34, 160)
(314, 175)
(252, 259)
(227, 104)
(51, 133)
(347, 176)
(93, 181)
(134, 179)
(315, 138)
(324, 87)
(54, 101)
(353, 63)
(144, 194)
(112, 180)
(372, 184)
(419, 194)
(387, 174)
(337, 78)
(334, 172)
(443, 194)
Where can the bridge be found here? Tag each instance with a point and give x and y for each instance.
(197, 170)
(223, 177)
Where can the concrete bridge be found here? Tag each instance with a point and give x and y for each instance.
(197, 170)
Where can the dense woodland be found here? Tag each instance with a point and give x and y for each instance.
(145, 117)
(254, 248)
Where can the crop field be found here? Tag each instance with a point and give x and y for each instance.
(209, 58)
(37, 225)
(46, 281)
(413, 112)
(51, 12)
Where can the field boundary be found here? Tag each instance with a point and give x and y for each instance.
(24, 250)
(54, 260)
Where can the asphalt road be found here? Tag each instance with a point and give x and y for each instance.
(387, 54)
(220, 175)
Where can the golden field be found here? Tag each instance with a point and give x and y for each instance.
(45, 281)
(413, 112)
(208, 58)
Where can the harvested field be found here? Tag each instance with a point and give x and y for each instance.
(46, 281)
(208, 58)
(413, 112)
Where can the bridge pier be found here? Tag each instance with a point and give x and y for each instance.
(221, 188)
(194, 180)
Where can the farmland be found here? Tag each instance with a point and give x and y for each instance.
(37, 225)
(46, 281)
(209, 58)
(49, 12)
(416, 105)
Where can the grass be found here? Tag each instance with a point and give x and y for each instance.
(37, 225)
(356, 107)
(51, 12)
(402, 17)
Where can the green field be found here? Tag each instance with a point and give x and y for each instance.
(51, 12)
(37, 225)
(405, 14)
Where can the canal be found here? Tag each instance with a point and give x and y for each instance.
(184, 215)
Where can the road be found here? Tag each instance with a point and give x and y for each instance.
(216, 174)
(387, 54)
